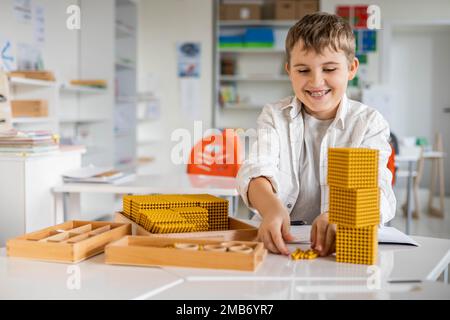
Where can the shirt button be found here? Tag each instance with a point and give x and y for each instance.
(289, 205)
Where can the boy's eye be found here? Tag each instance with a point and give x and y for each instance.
(303, 71)
(329, 69)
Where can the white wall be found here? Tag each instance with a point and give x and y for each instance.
(414, 35)
(161, 25)
(402, 14)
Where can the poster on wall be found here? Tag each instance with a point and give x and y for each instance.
(7, 55)
(22, 10)
(39, 25)
(29, 57)
(189, 54)
(6, 128)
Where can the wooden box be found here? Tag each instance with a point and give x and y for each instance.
(244, 11)
(161, 251)
(29, 108)
(304, 7)
(237, 231)
(285, 10)
(69, 242)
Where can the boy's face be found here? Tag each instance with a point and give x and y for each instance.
(320, 80)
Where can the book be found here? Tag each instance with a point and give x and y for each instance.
(92, 174)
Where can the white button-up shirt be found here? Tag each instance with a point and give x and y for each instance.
(276, 152)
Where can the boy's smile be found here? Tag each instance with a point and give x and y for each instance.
(320, 80)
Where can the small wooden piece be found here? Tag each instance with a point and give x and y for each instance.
(161, 251)
(69, 242)
(29, 108)
(237, 231)
(37, 75)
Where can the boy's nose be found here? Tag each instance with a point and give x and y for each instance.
(316, 79)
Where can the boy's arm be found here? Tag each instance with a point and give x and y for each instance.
(258, 185)
(275, 217)
(263, 158)
(377, 137)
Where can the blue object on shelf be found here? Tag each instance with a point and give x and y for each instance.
(369, 40)
(259, 35)
(231, 39)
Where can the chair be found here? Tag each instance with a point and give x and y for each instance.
(416, 179)
(437, 171)
(216, 155)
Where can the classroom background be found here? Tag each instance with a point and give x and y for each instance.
(121, 81)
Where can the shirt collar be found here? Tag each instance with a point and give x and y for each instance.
(295, 107)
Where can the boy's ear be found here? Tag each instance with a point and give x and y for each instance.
(353, 68)
(286, 67)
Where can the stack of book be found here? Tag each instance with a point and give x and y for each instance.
(28, 143)
(92, 174)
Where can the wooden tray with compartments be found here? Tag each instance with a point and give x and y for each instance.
(69, 242)
(29, 108)
(237, 231)
(191, 253)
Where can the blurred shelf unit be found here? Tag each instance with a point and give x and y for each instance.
(66, 87)
(149, 128)
(125, 111)
(249, 62)
(28, 96)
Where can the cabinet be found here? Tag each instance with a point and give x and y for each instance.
(125, 111)
(30, 89)
(248, 75)
(26, 200)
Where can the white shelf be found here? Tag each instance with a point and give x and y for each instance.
(250, 23)
(252, 50)
(32, 120)
(122, 134)
(262, 78)
(125, 166)
(148, 142)
(145, 120)
(31, 82)
(126, 99)
(242, 106)
(123, 32)
(83, 120)
(81, 89)
(125, 65)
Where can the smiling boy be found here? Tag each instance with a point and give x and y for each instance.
(284, 178)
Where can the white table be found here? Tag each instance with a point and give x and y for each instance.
(277, 278)
(27, 279)
(411, 159)
(146, 184)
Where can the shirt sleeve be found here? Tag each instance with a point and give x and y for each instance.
(263, 159)
(377, 137)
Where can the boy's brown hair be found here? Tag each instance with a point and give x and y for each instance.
(322, 30)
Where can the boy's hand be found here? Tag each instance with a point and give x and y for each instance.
(274, 231)
(323, 235)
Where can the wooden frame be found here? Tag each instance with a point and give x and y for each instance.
(238, 231)
(160, 251)
(69, 242)
(29, 108)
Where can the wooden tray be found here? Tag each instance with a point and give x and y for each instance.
(159, 251)
(69, 242)
(29, 108)
(238, 231)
